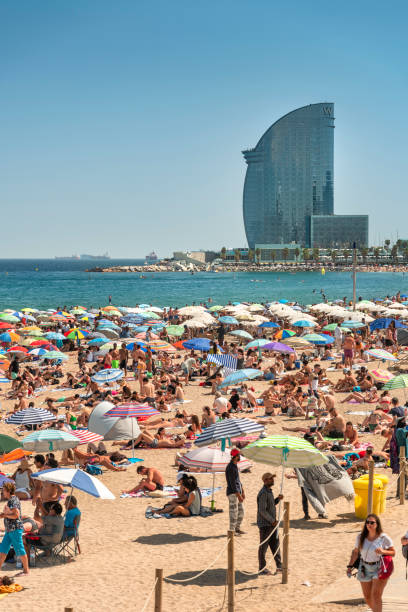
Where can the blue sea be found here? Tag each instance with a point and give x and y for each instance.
(48, 283)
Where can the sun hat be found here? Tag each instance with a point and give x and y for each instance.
(235, 452)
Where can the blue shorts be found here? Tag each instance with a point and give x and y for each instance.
(370, 572)
(14, 539)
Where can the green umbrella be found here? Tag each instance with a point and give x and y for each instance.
(287, 451)
(5, 316)
(7, 444)
(54, 355)
(152, 315)
(398, 382)
(216, 308)
(175, 330)
(330, 327)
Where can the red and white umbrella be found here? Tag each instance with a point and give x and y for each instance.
(141, 412)
(85, 436)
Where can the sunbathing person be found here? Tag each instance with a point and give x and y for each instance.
(375, 421)
(92, 458)
(371, 397)
(192, 506)
(153, 480)
(350, 435)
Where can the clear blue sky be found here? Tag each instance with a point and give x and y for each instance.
(122, 122)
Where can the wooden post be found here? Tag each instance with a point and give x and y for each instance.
(402, 475)
(158, 591)
(285, 544)
(370, 486)
(231, 573)
(68, 609)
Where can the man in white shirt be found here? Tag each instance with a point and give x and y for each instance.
(221, 404)
(338, 335)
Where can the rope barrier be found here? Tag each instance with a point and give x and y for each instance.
(266, 566)
(205, 570)
(149, 597)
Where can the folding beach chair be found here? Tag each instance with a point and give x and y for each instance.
(49, 556)
(69, 546)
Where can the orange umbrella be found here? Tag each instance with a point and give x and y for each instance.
(14, 455)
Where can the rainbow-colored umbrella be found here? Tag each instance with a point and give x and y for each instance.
(284, 333)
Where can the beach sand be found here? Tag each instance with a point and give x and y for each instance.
(120, 549)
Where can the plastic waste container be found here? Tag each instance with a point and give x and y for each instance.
(384, 479)
(361, 498)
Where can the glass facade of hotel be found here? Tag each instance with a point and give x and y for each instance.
(338, 231)
(290, 177)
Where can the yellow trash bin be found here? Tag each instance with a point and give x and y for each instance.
(361, 498)
(384, 479)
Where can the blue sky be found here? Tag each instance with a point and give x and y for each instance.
(123, 122)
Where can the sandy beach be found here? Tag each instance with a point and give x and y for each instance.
(120, 549)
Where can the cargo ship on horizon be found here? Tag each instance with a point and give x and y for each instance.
(85, 256)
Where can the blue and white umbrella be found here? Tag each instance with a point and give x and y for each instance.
(37, 352)
(352, 324)
(229, 320)
(77, 479)
(97, 341)
(304, 323)
(227, 429)
(240, 333)
(239, 376)
(107, 376)
(54, 336)
(49, 440)
(268, 324)
(30, 416)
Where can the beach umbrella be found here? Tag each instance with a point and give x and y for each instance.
(76, 334)
(382, 376)
(318, 339)
(256, 343)
(211, 460)
(8, 318)
(256, 308)
(381, 354)
(331, 327)
(227, 429)
(278, 347)
(4, 325)
(216, 308)
(244, 316)
(239, 376)
(109, 333)
(41, 343)
(198, 344)
(76, 479)
(107, 376)
(85, 436)
(30, 416)
(159, 345)
(397, 382)
(298, 342)
(268, 324)
(304, 323)
(352, 324)
(17, 349)
(54, 355)
(94, 334)
(97, 341)
(284, 333)
(7, 444)
(195, 324)
(49, 440)
(384, 323)
(147, 336)
(228, 320)
(37, 352)
(240, 333)
(174, 330)
(287, 451)
(9, 336)
(132, 411)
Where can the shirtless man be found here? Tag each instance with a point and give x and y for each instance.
(115, 356)
(350, 435)
(147, 391)
(45, 491)
(123, 357)
(349, 346)
(83, 458)
(22, 402)
(153, 480)
(336, 426)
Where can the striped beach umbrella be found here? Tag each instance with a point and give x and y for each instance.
(382, 376)
(9, 336)
(381, 354)
(49, 440)
(239, 376)
(37, 352)
(8, 318)
(30, 416)
(284, 333)
(229, 428)
(107, 376)
(175, 330)
(141, 412)
(211, 459)
(287, 451)
(318, 339)
(397, 382)
(86, 437)
(76, 334)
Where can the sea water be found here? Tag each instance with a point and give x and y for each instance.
(48, 283)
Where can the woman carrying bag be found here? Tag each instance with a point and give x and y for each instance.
(373, 553)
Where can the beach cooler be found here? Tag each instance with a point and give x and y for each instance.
(361, 498)
(384, 480)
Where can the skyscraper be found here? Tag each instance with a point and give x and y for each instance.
(290, 177)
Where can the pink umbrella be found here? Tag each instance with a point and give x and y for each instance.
(85, 436)
(142, 336)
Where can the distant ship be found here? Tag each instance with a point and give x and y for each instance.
(151, 257)
(85, 256)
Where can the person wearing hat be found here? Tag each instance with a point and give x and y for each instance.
(266, 521)
(235, 493)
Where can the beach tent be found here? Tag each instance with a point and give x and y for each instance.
(111, 428)
(402, 337)
(384, 323)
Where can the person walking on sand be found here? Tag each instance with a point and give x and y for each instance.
(13, 526)
(349, 346)
(235, 493)
(375, 548)
(266, 521)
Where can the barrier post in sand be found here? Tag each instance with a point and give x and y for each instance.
(285, 544)
(68, 609)
(402, 475)
(158, 591)
(370, 486)
(231, 572)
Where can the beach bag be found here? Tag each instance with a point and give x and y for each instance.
(405, 555)
(386, 567)
(94, 470)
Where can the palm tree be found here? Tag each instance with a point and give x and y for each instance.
(250, 255)
(364, 253)
(223, 253)
(333, 255)
(258, 255)
(405, 253)
(315, 254)
(237, 255)
(306, 254)
(394, 252)
(376, 254)
(387, 244)
(346, 254)
(297, 253)
(273, 255)
(285, 254)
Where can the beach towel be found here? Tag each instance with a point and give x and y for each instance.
(171, 492)
(358, 412)
(324, 483)
(4, 380)
(151, 513)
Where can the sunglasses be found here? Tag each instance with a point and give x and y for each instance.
(371, 522)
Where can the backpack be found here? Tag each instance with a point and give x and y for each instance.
(94, 470)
